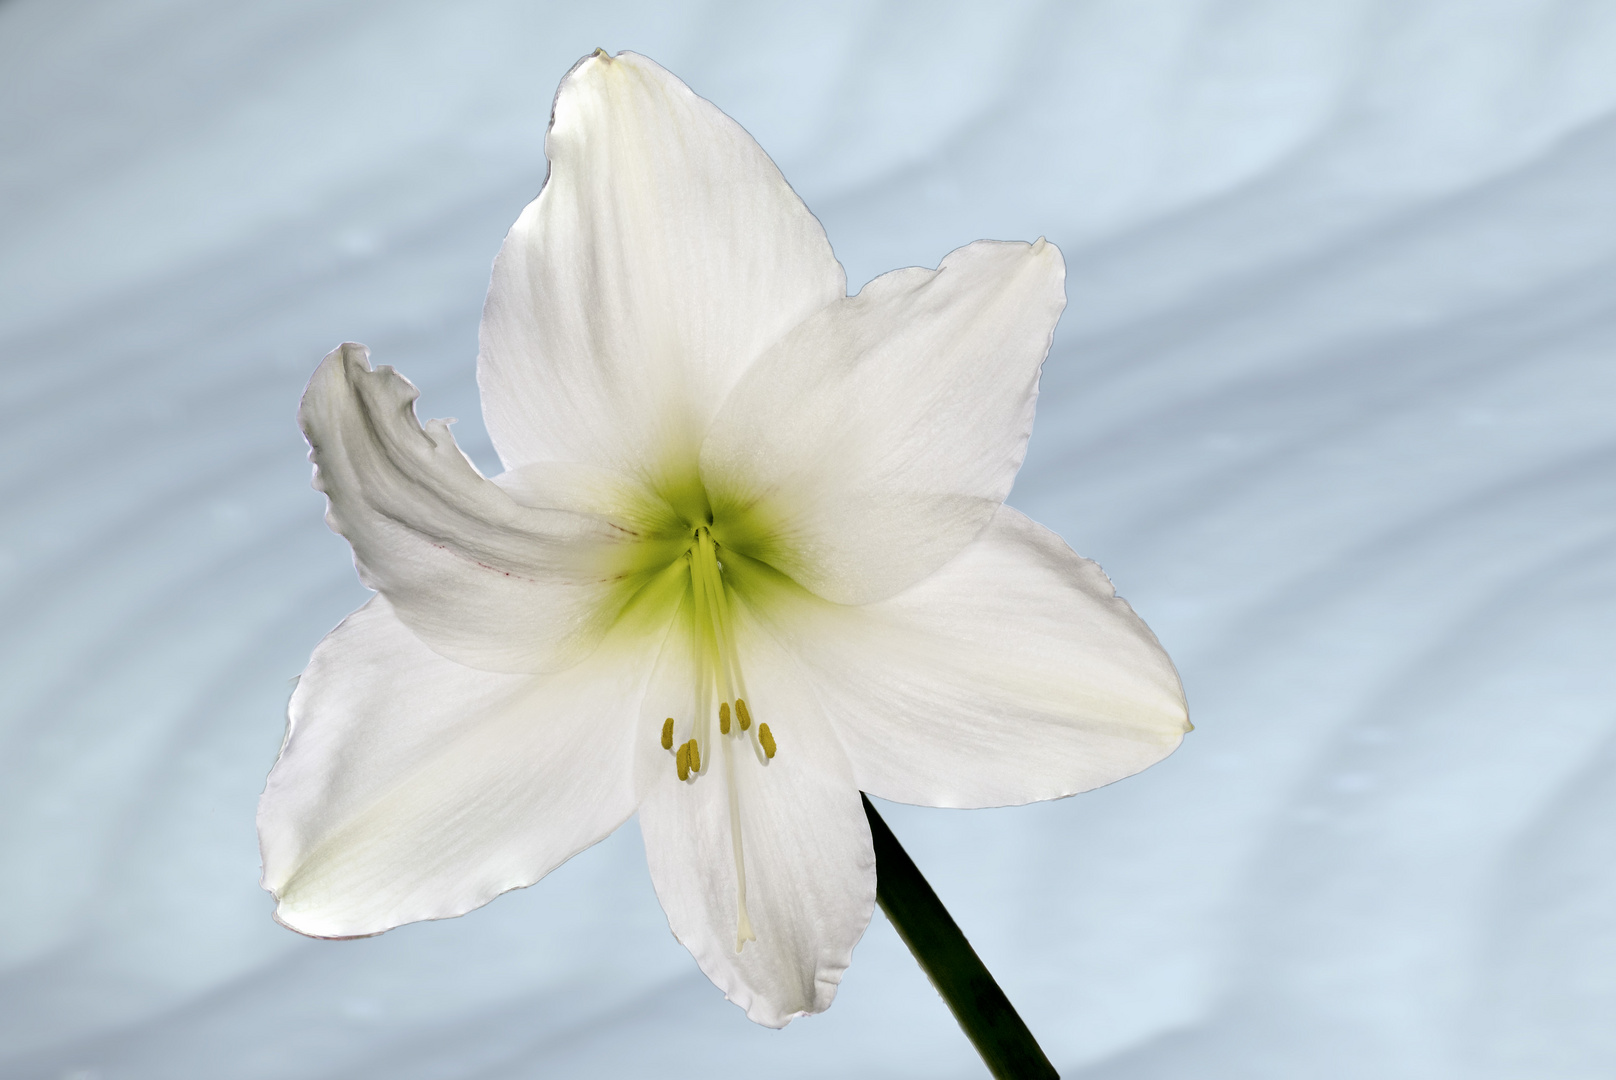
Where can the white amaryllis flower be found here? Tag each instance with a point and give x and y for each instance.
(749, 556)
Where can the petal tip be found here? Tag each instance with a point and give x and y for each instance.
(765, 1013)
(1042, 248)
(287, 919)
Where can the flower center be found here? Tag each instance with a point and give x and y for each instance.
(718, 676)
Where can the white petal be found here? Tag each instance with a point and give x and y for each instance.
(663, 255)
(482, 579)
(411, 787)
(809, 864)
(880, 437)
(1013, 674)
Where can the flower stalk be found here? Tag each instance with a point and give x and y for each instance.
(986, 1015)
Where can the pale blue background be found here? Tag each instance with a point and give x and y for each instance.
(1334, 402)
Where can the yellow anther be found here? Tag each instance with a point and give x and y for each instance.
(723, 718)
(743, 714)
(766, 739)
(667, 734)
(695, 756)
(682, 761)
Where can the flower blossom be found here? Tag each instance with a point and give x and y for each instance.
(748, 557)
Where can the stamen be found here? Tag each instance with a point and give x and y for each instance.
(719, 621)
(718, 673)
(667, 734)
(766, 739)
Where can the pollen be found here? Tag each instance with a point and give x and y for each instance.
(723, 718)
(695, 756)
(743, 714)
(667, 734)
(766, 739)
(682, 761)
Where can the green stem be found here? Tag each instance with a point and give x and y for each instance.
(986, 1015)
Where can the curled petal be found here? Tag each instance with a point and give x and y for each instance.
(664, 254)
(1013, 674)
(479, 577)
(874, 442)
(411, 787)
